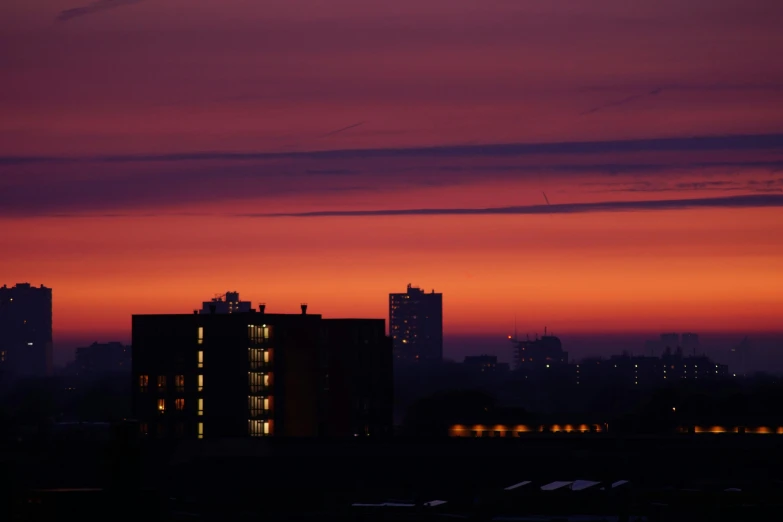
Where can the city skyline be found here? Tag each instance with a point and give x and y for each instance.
(601, 170)
(763, 355)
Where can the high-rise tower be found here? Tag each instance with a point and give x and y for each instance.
(25, 331)
(416, 325)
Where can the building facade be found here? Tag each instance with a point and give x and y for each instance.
(25, 331)
(256, 374)
(416, 325)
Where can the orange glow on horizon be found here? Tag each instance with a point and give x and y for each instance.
(592, 273)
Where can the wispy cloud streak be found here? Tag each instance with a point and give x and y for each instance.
(342, 129)
(745, 201)
(624, 101)
(95, 7)
(682, 144)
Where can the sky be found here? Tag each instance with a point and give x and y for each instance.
(598, 167)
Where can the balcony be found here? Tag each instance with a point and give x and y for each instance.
(259, 358)
(259, 382)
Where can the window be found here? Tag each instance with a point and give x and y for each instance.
(179, 383)
(161, 383)
(257, 405)
(144, 428)
(179, 404)
(259, 428)
(255, 356)
(200, 359)
(258, 357)
(179, 429)
(200, 430)
(200, 335)
(200, 383)
(144, 381)
(162, 405)
(258, 334)
(258, 381)
(201, 406)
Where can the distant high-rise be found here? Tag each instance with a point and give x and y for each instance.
(689, 342)
(228, 303)
(416, 325)
(25, 331)
(99, 360)
(670, 340)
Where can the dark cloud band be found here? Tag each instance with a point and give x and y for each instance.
(745, 201)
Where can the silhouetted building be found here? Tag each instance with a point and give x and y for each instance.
(670, 340)
(485, 364)
(256, 374)
(416, 325)
(227, 303)
(25, 331)
(690, 343)
(642, 371)
(100, 359)
(541, 352)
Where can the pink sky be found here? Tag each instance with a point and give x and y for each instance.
(96, 202)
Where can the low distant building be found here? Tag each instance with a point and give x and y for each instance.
(485, 364)
(227, 303)
(632, 371)
(540, 352)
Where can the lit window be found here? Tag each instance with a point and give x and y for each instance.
(200, 430)
(258, 334)
(162, 405)
(200, 359)
(255, 358)
(144, 428)
(179, 404)
(201, 406)
(258, 381)
(161, 383)
(200, 383)
(179, 382)
(144, 381)
(200, 335)
(259, 428)
(257, 405)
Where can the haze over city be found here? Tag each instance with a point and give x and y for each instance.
(603, 170)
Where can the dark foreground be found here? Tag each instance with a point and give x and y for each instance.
(688, 478)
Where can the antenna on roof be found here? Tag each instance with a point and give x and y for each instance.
(515, 327)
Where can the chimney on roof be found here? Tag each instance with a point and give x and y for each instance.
(212, 308)
(304, 308)
(195, 312)
(262, 307)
